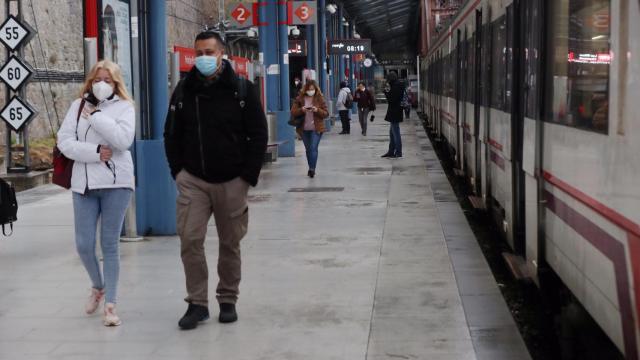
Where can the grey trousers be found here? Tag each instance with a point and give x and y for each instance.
(362, 117)
(197, 201)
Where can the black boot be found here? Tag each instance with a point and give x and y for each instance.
(311, 173)
(387, 155)
(195, 314)
(228, 313)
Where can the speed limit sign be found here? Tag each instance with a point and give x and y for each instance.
(15, 73)
(13, 32)
(17, 113)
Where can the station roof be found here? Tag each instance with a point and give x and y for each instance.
(392, 25)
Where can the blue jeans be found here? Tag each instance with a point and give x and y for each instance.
(395, 141)
(110, 206)
(311, 140)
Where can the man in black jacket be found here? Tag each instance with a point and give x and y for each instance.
(394, 92)
(215, 139)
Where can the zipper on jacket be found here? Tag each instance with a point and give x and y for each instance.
(86, 172)
(200, 134)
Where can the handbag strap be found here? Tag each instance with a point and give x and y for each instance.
(78, 117)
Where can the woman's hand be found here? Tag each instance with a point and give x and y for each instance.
(314, 109)
(87, 109)
(105, 153)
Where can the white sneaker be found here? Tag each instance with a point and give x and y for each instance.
(94, 300)
(110, 317)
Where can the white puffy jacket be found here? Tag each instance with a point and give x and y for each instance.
(113, 125)
(342, 97)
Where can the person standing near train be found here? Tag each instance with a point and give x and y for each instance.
(394, 91)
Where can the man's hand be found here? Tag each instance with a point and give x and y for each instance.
(105, 153)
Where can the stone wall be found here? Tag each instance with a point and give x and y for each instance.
(58, 49)
(185, 19)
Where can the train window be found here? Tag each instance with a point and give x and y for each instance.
(509, 60)
(451, 81)
(485, 77)
(532, 58)
(579, 67)
(498, 63)
(471, 66)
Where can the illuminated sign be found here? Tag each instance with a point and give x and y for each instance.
(298, 47)
(597, 59)
(349, 46)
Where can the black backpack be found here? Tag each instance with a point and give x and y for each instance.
(8, 205)
(348, 101)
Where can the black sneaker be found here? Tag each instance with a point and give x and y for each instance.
(228, 313)
(387, 155)
(195, 314)
(311, 173)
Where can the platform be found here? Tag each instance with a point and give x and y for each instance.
(372, 259)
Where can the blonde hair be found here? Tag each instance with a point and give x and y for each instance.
(119, 87)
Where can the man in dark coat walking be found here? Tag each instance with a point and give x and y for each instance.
(393, 92)
(215, 139)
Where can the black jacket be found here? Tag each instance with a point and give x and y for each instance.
(209, 134)
(394, 100)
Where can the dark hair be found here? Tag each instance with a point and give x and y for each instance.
(392, 76)
(343, 84)
(208, 34)
(362, 83)
(308, 84)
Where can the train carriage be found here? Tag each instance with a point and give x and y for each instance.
(536, 101)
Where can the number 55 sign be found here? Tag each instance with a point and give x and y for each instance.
(13, 33)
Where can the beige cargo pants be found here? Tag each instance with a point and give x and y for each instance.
(197, 200)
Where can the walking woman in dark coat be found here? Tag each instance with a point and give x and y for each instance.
(393, 92)
(366, 103)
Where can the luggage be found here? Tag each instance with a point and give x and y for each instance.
(8, 206)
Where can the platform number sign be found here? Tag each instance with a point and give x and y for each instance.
(304, 12)
(17, 113)
(240, 14)
(15, 72)
(13, 33)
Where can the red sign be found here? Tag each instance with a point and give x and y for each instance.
(241, 14)
(240, 66)
(187, 57)
(304, 12)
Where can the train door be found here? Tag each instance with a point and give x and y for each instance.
(477, 73)
(459, 74)
(466, 99)
(441, 93)
(515, 98)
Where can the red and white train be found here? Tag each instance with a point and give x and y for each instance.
(538, 101)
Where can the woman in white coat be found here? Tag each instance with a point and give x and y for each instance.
(97, 132)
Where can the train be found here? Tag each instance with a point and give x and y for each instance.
(536, 101)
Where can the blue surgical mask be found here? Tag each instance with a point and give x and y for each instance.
(206, 64)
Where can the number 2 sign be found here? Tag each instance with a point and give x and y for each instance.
(241, 15)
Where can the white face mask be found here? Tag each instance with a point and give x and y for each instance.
(311, 92)
(101, 90)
